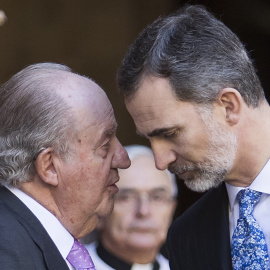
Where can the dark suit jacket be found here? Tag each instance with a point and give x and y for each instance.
(200, 239)
(24, 243)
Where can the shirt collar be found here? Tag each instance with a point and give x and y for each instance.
(117, 263)
(59, 235)
(261, 183)
(148, 266)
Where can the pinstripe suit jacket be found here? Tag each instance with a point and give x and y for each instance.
(200, 239)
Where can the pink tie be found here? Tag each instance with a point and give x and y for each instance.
(79, 257)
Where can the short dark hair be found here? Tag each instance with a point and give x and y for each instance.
(197, 53)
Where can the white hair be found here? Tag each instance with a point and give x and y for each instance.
(140, 150)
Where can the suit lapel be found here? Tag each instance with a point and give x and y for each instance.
(52, 256)
(217, 241)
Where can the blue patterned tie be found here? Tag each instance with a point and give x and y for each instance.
(249, 249)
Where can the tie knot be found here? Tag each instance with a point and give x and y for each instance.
(79, 257)
(248, 198)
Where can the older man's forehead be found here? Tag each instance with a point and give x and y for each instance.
(105, 126)
(103, 116)
(75, 89)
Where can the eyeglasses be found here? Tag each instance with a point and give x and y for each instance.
(130, 197)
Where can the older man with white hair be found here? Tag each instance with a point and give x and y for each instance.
(131, 237)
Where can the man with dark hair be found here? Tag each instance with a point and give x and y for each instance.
(58, 167)
(192, 90)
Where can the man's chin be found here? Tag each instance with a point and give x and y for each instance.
(199, 185)
(144, 242)
(106, 207)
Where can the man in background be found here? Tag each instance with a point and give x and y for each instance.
(59, 157)
(193, 91)
(131, 237)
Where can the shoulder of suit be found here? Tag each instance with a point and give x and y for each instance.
(201, 209)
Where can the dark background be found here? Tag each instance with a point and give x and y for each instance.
(92, 36)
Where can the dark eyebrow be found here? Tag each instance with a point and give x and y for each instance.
(158, 132)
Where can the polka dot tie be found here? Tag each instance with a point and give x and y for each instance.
(80, 258)
(249, 249)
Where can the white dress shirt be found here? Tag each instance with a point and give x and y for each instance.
(59, 235)
(262, 208)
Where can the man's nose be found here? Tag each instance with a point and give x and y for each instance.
(120, 159)
(164, 156)
(143, 205)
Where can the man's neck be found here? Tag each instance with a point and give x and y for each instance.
(253, 146)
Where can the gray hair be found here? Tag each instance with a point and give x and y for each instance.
(198, 55)
(135, 151)
(32, 117)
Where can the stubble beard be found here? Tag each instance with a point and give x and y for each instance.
(212, 171)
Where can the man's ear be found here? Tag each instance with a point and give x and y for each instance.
(44, 164)
(232, 102)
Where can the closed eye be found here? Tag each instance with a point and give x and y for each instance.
(170, 134)
(106, 145)
(167, 133)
